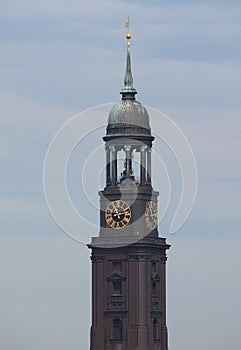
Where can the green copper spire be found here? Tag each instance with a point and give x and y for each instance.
(128, 91)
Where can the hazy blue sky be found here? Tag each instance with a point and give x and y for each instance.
(60, 57)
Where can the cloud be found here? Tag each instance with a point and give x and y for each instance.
(59, 57)
(213, 35)
(209, 268)
(34, 267)
(21, 208)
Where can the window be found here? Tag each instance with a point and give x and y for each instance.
(155, 326)
(116, 265)
(117, 332)
(117, 288)
(154, 288)
(155, 280)
(153, 266)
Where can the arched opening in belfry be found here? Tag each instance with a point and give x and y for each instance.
(128, 162)
(117, 330)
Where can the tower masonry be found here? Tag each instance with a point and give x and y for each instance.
(128, 256)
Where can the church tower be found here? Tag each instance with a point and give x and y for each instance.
(128, 256)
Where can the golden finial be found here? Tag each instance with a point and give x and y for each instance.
(128, 35)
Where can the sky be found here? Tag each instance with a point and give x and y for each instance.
(59, 58)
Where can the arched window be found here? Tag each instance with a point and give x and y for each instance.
(155, 326)
(117, 331)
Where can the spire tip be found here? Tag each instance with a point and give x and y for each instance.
(128, 91)
(128, 35)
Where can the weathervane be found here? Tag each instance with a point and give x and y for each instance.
(128, 35)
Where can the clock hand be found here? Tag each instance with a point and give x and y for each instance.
(115, 209)
(117, 212)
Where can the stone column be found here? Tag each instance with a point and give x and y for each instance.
(97, 329)
(143, 329)
(163, 327)
(107, 150)
(149, 165)
(114, 165)
(143, 164)
(127, 149)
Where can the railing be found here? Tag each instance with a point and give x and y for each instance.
(155, 302)
(116, 302)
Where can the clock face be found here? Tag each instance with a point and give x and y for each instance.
(118, 214)
(151, 214)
